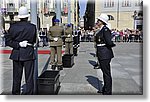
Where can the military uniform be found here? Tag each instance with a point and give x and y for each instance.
(55, 37)
(75, 43)
(68, 41)
(105, 54)
(96, 66)
(22, 56)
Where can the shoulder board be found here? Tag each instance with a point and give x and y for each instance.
(106, 28)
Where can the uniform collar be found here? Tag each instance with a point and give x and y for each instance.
(23, 22)
(101, 27)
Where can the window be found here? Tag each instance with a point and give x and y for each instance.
(10, 1)
(109, 3)
(138, 2)
(46, 6)
(110, 17)
(24, 1)
(65, 6)
(50, 5)
(126, 3)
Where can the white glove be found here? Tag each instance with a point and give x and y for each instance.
(68, 35)
(55, 39)
(23, 43)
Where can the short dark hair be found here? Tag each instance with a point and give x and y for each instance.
(24, 19)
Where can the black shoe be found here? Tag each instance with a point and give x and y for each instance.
(97, 67)
(104, 92)
(53, 67)
(60, 67)
(107, 93)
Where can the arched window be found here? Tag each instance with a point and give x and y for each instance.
(110, 17)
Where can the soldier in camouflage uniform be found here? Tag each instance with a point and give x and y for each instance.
(68, 40)
(56, 42)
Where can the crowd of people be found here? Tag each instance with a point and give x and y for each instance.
(87, 35)
(127, 35)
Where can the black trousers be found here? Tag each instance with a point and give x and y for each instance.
(17, 76)
(105, 67)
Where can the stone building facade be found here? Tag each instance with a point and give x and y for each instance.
(46, 11)
(122, 13)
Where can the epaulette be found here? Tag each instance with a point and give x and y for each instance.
(106, 28)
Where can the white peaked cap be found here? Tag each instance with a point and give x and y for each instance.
(103, 17)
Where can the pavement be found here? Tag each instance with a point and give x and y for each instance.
(82, 79)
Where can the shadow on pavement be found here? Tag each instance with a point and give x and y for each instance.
(95, 82)
(93, 63)
(93, 54)
(46, 65)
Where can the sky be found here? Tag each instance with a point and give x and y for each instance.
(82, 4)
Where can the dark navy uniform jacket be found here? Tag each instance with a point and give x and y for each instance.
(104, 37)
(18, 32)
